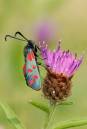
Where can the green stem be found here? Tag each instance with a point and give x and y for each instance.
(50, 117)
(70, 123)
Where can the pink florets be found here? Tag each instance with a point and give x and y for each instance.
(60, 61)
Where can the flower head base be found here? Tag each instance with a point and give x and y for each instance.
(61, 66)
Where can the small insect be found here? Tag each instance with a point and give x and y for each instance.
(31, 66)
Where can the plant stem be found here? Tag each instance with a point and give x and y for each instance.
(50, 117)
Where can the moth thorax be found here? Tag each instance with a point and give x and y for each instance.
(56, 87)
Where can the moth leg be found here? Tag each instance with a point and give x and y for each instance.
(38, 63)
(44, 66)
(37, 48)
(38, 56)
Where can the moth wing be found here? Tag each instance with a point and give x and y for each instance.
(24, 72)
(32, 73)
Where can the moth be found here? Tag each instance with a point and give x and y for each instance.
(31, 67)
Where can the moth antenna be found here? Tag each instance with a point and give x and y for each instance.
(13, 38)
(6, 37)
(19, 33)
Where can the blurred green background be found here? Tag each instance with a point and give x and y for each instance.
(70, 17)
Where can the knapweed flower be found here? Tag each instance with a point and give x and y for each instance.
(61, 66)
(44, 31)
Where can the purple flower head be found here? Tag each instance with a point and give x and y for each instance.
(59, 61)
(61, 66)
(44, 31)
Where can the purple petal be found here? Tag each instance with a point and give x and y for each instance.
(61, 61)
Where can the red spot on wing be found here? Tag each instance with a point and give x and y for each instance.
(24, 69)
(30, 56)
(31, 82)
(33, 66)
(29, 70)
(33, 56)
(35, 77)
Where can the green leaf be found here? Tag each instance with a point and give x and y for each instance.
(41, 106)
(11, 116)
(65, 103)
(70, 123)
